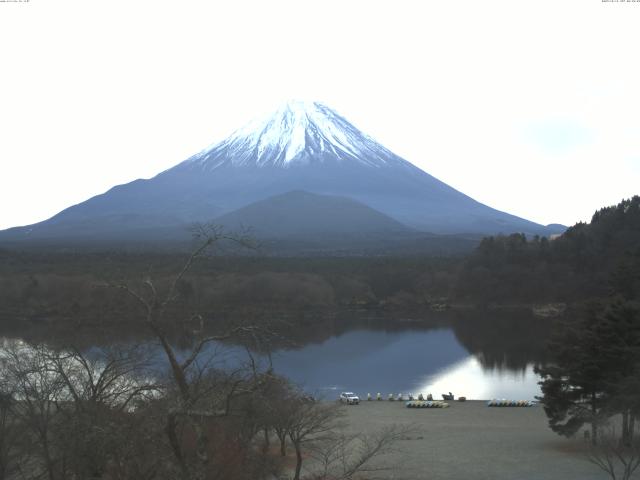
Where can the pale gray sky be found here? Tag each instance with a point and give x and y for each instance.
(531, 107)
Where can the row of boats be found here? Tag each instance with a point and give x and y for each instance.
(428, 402)
(402, 397)
(490, 403)
(509, 403)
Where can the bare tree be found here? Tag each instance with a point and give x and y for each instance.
(11, 434)
(193, 404)
(617, 458)
(280, 402)
(77, 411)
(102, 391)
(112, 377)
(311, 422)
(343, 456)
(40, 392)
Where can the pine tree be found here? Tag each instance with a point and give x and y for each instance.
(596, 372)
(619, 334)
(574, 387)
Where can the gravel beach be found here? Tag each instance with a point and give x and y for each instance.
(469, 440)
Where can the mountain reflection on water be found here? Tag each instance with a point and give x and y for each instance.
(479, 355)
(410, 361)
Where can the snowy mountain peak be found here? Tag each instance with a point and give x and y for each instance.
(298, 132)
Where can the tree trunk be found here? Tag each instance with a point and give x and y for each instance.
(177, 371)
(202, 442)
(180, 377)
(170, 430)
(267, 440)
(625, 428)
(594, 426)
(632, 426)
(48, 461)
(298, 461)
(283, 444)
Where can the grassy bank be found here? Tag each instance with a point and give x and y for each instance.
(470, 440)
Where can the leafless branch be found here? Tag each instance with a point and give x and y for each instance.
(612, 456)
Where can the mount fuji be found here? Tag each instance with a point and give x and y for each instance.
(303, 170)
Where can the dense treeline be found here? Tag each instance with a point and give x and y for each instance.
(588, 260)
(69, 289)
(593, 371)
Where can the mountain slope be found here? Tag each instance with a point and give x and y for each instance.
(304, 214)
(302, 146)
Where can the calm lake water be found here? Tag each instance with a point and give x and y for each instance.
(480, 356)
(401, 362)
(479, 360)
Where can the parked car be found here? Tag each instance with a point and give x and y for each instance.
(349, 398)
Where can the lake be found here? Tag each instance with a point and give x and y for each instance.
(478, 359)
(479, 355)
(401, 362)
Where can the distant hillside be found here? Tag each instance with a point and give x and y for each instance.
(295, 223)
(589, 260)
(304, 214)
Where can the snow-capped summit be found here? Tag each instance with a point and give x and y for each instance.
(298, 132)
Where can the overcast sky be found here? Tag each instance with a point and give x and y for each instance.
(532, 107)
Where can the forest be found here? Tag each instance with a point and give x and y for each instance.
(589, 261)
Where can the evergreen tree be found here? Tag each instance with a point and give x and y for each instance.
(619, 333)
(596, 371)
(574, 387)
